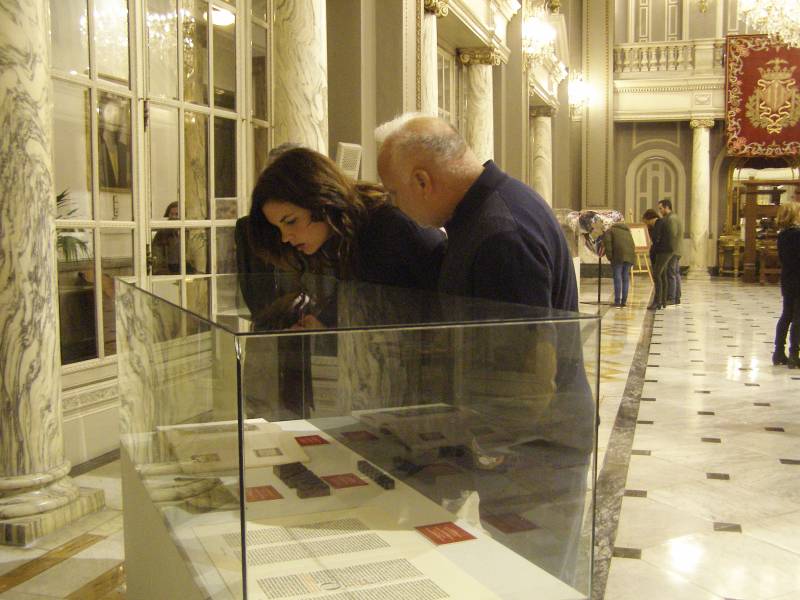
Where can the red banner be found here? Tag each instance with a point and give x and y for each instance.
(762, 89)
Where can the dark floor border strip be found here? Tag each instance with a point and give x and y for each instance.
(611, 479)
(91, 465)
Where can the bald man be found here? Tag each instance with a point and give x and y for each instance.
(504, 242)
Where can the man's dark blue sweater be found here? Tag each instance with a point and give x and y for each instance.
(505, 244)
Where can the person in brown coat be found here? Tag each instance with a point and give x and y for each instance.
(621, 253)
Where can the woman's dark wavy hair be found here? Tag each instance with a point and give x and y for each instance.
(312, 181)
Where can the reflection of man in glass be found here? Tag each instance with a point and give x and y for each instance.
(114, 143)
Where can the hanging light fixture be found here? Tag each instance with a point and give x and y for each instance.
(538, 36)
(780, 19)
(581, 94)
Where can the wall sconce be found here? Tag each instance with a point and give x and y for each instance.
(702, 5)
(538, 36)
(581, 94)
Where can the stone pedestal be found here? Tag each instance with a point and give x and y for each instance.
(36, 495)
(701, 193)
(479, 130)
(542, 151)
(301, 73)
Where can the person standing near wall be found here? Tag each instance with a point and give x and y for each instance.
(621, 253)
(660, 254)
(788, 221)
(674, 227)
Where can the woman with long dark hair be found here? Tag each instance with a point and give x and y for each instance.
(306, 215)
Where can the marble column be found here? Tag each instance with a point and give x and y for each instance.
(479, 131)
(542, 151)
(701, 193)
(36, 496)
(429, 70)
(301, 73)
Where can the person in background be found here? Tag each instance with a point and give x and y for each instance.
(650, 218)
(306, 215)
(674, 227)
(788, 222)
(621, 253)
(660, 254)
(166, 246)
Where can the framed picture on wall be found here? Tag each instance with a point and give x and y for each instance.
(114, 142)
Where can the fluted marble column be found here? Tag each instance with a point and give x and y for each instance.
(542, 151)
(480, 101)
(301, 73)
(36, 496)
(428, 67)
(701, 193)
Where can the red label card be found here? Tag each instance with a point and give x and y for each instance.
(344, 480)
(510, 522)
(311, 440)
(439, 470)
(445, 533)
(262, 492)
(359, 436)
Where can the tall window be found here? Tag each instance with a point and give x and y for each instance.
(152, 150)
(448, 86)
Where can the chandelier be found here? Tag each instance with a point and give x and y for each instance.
(780, 19)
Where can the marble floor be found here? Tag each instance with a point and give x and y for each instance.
(699, 463)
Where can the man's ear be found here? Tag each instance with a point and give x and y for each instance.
(422, 181)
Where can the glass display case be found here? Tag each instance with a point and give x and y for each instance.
(311, 438)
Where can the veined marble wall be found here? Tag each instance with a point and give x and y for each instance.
(301, 73)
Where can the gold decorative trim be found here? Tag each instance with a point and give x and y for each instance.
(542, 111)
(695, 123)
(482, 55)
(439, 8)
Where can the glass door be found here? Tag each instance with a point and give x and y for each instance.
(193, 142)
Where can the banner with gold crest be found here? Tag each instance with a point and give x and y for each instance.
(762, 89)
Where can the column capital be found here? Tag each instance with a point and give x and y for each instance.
(439, 8)
(707, 123)
(483, 55)
(542, 111)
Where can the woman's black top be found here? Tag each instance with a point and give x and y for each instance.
(393, 250)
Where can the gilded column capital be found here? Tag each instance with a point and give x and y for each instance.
(439, 8)
(707, 123)
(542, 111)
(483, 55)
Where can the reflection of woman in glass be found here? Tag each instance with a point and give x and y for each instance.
(307, 215)
(167, 245)
(114, 142)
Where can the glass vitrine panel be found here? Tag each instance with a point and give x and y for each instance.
(111, 40)
(164, 168)
(162, 47)
(370, 441)
(195, 51)
(195, 132)
(76, 294)
(72, 169)
(69, 36)
(259, 60)
(224, 58)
